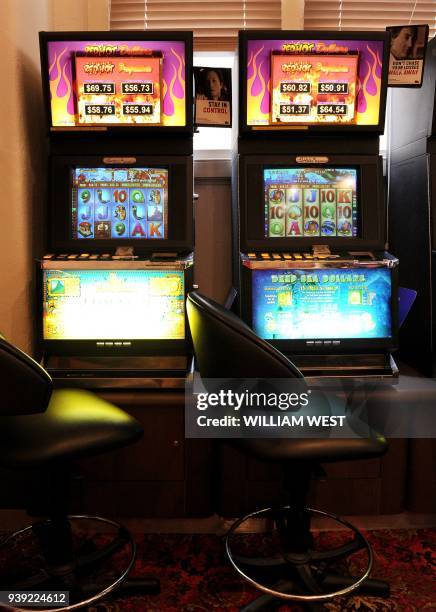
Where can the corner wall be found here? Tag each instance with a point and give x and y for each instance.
(22, 170)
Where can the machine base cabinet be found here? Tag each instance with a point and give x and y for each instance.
(161, 476)
(376, 486)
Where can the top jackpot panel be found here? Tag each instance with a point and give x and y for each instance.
(313, 81)
(117, 80)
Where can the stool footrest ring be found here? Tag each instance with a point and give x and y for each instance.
(360, 542)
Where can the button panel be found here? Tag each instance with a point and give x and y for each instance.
(318, 256)
(323, 342)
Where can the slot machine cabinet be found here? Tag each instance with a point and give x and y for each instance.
(119, 119)
(412, 209)
(325, 145)
(311, 200)
(120, 221)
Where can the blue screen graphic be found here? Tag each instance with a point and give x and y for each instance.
(301, 202)
(110, 203)
(322, 303)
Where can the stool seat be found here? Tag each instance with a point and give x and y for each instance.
(313, 450)
(77, 423)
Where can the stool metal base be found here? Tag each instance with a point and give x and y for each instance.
(46, 572)
(301, 566)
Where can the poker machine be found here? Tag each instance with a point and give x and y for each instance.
(315, 279)
(119, 258)
(412, 209)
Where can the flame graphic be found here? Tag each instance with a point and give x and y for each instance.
(174, 95)
(367, 85)
(255, 114)
(249, 64)
(60, 103)
(61, 90)
(369, 92)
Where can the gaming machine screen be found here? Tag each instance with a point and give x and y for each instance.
(116, 203)
(117, 82)
(301, 202)
(113, 304)
(322, 303)
(313, 82)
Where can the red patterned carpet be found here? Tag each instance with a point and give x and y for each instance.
(195, 576)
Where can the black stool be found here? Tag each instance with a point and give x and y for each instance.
(227, 348)
(47, 430)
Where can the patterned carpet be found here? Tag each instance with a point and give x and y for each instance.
(196, 577)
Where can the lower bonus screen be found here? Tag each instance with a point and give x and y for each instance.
(115, 304)
(324, 303)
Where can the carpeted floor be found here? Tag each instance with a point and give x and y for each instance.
(196, 577)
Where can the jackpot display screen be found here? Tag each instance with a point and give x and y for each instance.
(313, 82)
(302, 202)
(116, 82)
(117, 203)
(313, 89)
(330, 303)
(113, 304)
(118, 90)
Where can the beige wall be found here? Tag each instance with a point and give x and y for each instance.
(23, 172)
(79, 14)
(21, 166)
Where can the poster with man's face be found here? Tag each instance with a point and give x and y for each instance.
(406, 58)
(213, 96)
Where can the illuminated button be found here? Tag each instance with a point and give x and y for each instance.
(327, 341)
(287, 256)
(49, 256)
(118, 343)
(307, 255)
(62, 256)
(297, 256)
(310, 342)
(73, 256)
(108, 343)
(276, 256)
(84, 256)
(127, 344)
(318, 342)
(265, 256)
(100, 343)
(105, 256)
(93, 257)
(251, 255)
(336, 342)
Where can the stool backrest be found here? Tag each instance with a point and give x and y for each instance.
(25, 386)
(225, 347)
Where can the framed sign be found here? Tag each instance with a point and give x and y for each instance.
(406, 58)
(213, 97)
